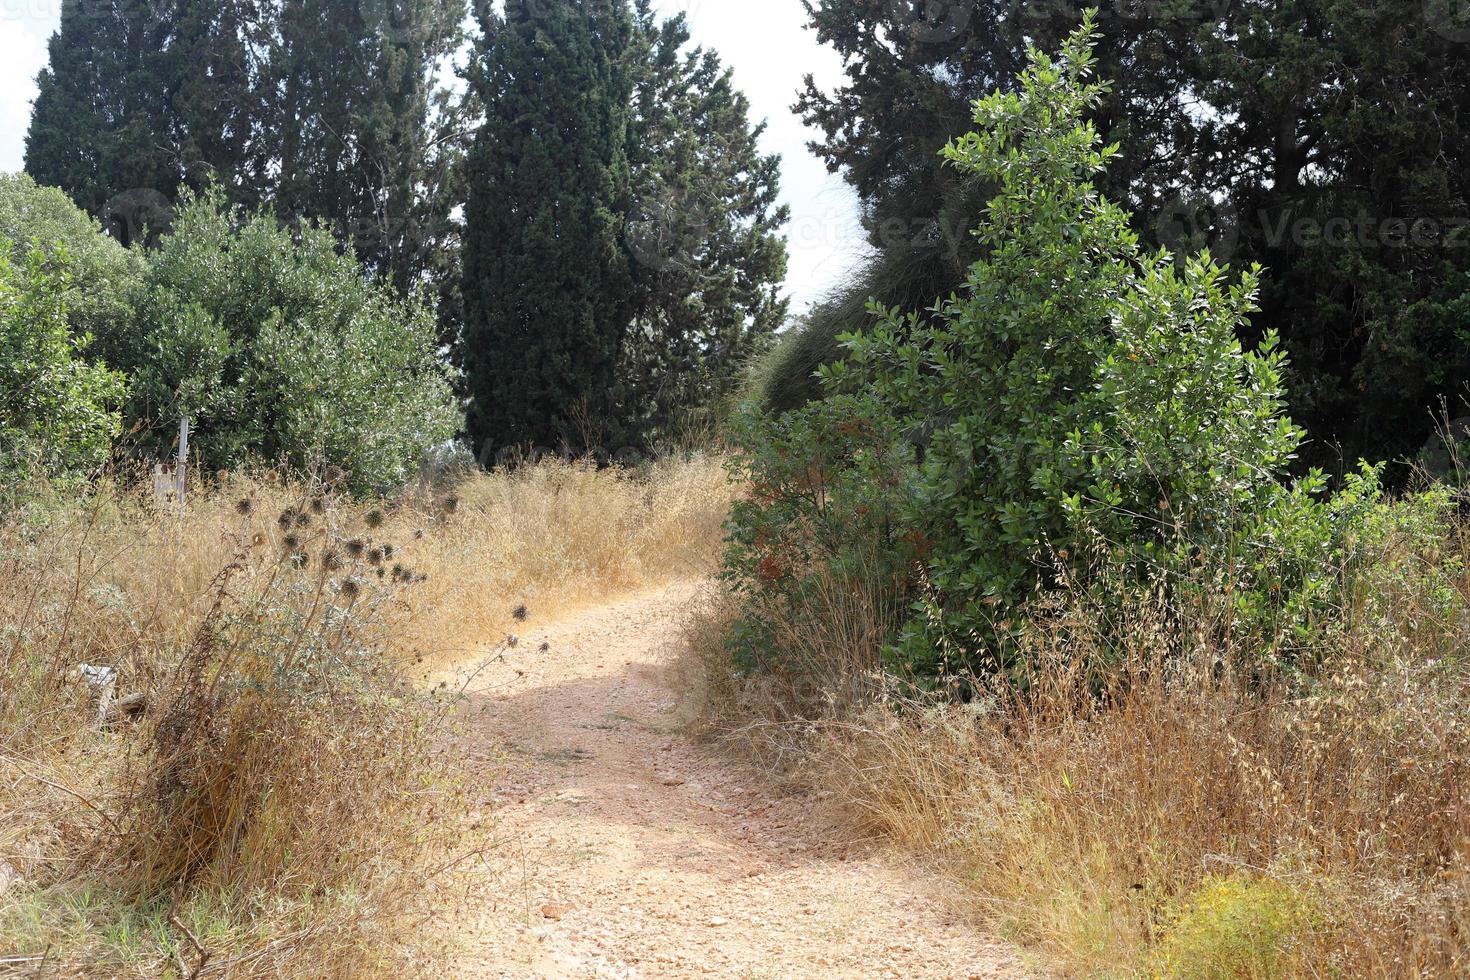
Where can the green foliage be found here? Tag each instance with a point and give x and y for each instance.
(906, 277)
(334, 111)
(138, 99)
(58, 414)
(830, 487)
(99, 270)
(1313, 137)
(621, 256)
(365, 132)
(1080, 389)
(708, 262)
(547, 285)
(1081, 403)
(278, 346)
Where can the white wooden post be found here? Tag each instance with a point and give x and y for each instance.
(181, 474)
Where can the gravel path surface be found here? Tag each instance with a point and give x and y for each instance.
(628, 850)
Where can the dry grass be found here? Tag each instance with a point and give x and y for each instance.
(282, 806)
(1190, 822)
(559, 537)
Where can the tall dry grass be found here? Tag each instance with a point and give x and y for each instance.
(558, 537)
(281, 806)
(1189, 819)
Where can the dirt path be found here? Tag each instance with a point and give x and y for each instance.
(626, 850)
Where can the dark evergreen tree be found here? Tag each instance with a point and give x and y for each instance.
(548, 289)
(703, 233)
(363, 133)
(329, 110)
(139, 99)
(1255, 128)
(623, 259)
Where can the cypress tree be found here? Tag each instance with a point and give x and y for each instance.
(138, 100)
(328, 110)
(547, 283)
(361, 129)
(95, 132)
(704, 235)
(622, 258)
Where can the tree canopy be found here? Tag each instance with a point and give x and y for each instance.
(622, 256)
(1324, 139)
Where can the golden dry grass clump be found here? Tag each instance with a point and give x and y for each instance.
(279, 806)
(1188, 819)
(557, 536)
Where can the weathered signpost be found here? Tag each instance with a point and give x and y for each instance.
(171, 481)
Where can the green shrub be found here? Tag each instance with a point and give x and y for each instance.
(826, 514)
(58, 414)
(1084, 390)
(278, 346)
(908, 275)
(1081, 405)
(99, 270)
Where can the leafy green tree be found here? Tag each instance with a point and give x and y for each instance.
(58, 414)
(547, 281)
(1079, 403)
(99, 270)
(708, 261)
(279, 347)
(1078, 386)
(1310, 137)
(327, 110)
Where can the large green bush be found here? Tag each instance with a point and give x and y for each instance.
(830, 485)
(99, 270)
(278, 346)
(58, 414)
(1081, 403)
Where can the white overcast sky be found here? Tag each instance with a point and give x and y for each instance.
(764, 40)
